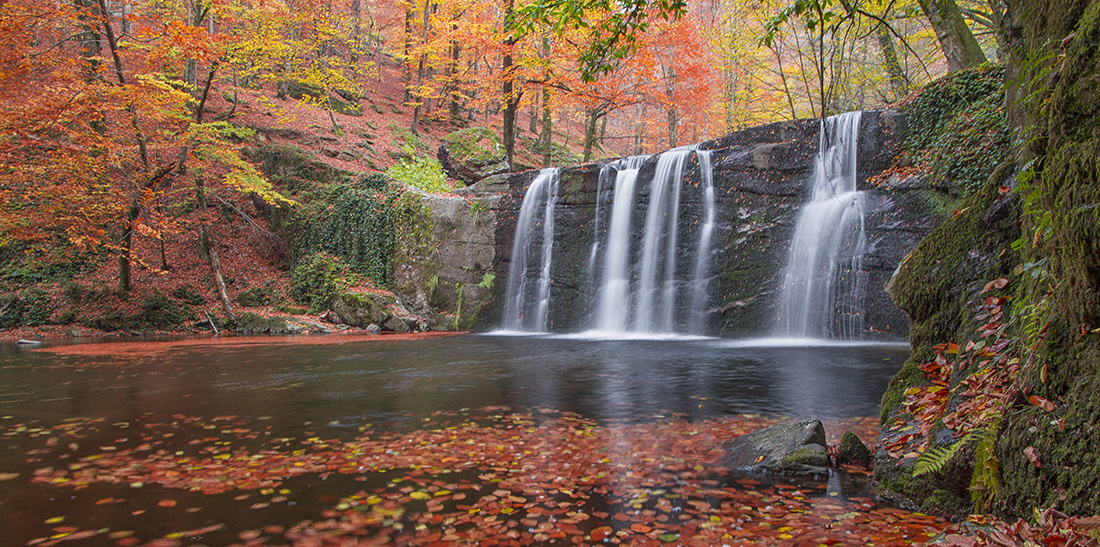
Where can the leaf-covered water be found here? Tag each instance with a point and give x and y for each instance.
(493, 439)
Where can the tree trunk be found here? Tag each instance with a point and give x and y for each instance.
(407, 50)
(547, 134)
(125, 273)
(959, 45)
(88, 37)
(591, 119)
(356, 29)
(546, 137)
(208, 248)
(898, 81)
(508, 132)
(420, 69)
(456, 56)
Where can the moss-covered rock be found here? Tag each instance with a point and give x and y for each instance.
(340, 102)
(472, 154)
(363, 308)
(794, 448)
(852, 451)
(1059, 62)
(940, 285)
(252, 323)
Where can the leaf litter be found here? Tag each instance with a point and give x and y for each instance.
(490, 476)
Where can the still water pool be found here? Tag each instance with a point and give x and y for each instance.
(497, 439)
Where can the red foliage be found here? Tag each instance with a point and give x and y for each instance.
(491, 477)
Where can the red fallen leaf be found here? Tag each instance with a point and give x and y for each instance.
(248, 535)
(1042, 403)
(1032, 456)
(998, 283)
(166, 503)
(640, 528)
(1002, 190)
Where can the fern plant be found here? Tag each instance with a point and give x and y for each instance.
(985, 482)
(936, 458)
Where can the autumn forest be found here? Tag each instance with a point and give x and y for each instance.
(361, 182)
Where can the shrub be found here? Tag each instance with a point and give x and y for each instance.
(188, 295)
(30, 308)
(421, 172)
(318, 279)
(160, 311)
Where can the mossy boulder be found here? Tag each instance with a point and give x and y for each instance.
(793, 448)
(304, 91)
(472, 154)
(363, 308)
(852, 451)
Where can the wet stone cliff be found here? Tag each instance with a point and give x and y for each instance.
(760, 179)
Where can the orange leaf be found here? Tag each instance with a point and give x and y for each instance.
(1042, 403)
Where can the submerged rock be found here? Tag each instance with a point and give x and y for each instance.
(794, 448)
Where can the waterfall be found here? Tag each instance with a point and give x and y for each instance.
(527, 300)
(640, 288)
(656, 293)
(642, 276)
(823, 283)
(701, 276)
(614, 307)
(614, 168)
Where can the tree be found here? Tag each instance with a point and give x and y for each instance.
(616, 36)
(90, 147)
(957, 41)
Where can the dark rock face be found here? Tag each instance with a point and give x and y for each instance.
(472, 154)
(761, 178)
(794, 448)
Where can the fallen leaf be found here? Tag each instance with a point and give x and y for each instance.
(1042, 403)
(1032, 456)
(998, 283)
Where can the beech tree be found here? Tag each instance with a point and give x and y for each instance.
(90, 146)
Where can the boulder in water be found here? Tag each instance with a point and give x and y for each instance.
(852, 451)
(794, 448)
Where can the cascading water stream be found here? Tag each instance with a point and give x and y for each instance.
(823, 283)
(614, 168)
(613, 313)
(701, 278)
(640, 276)
(656, 297)
(527, 300)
